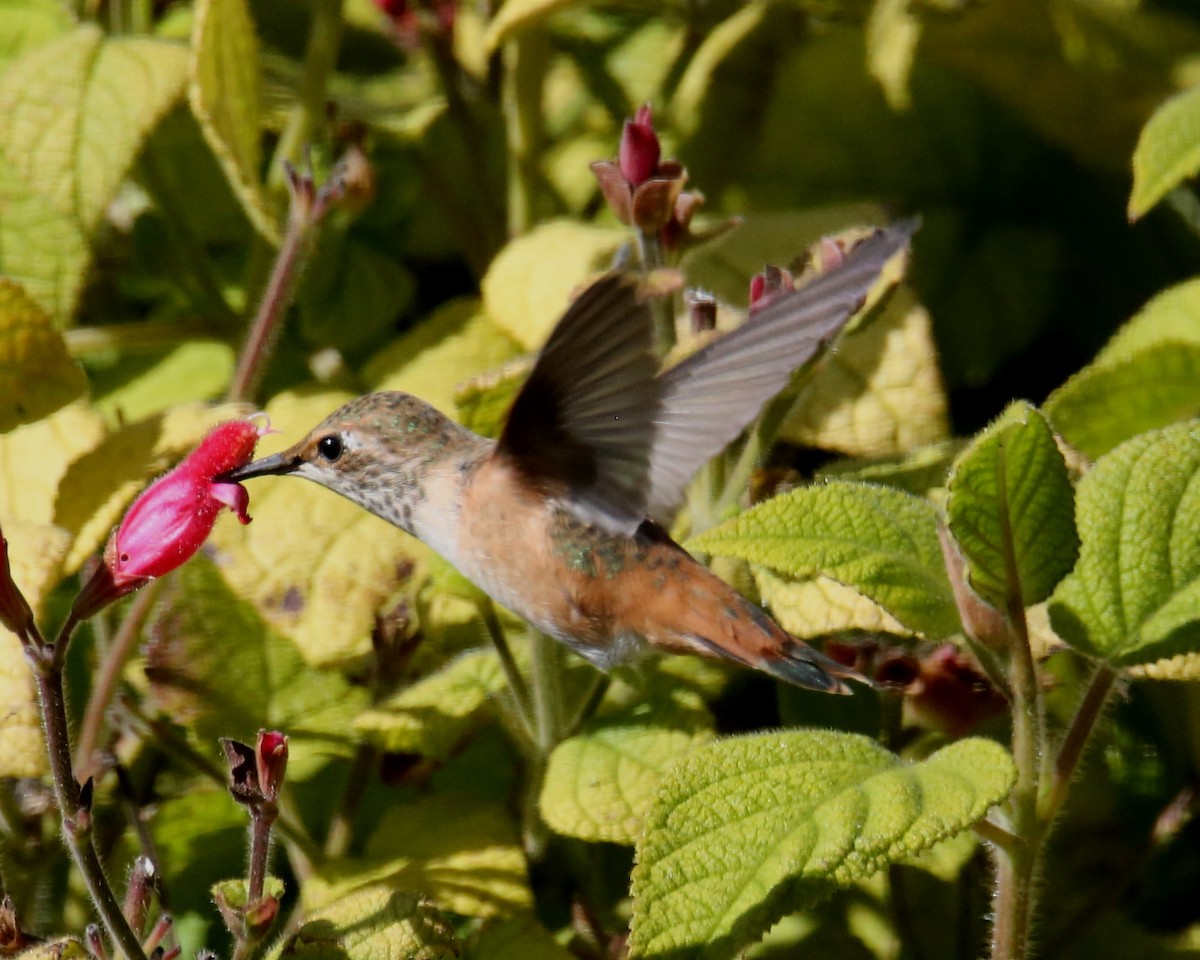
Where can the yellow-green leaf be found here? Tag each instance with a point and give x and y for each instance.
(748, 829)
(224, 91)
(892, 35)
(36, 552)
(372, 924)
(1167, 152)
(880, 393)
(820, 606)
(459, 851)
(214, 666)
(37, 376)
(27, 24)
(516, 15)
(879, 541)
(65, 948)
(483, 401)
(195, 370)
(530, 283)
(1134, 596)
(1011, 510)
(451, 345)
(318, 568)
(521, 938)
(68, 135)
(35, 457)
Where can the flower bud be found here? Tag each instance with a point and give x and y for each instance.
(15, 613)
(170, 521)
(271, 756)
(640, 150)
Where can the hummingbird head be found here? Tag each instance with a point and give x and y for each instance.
(374, 450)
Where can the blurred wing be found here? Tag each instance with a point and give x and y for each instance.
(585, 417)
(709, 398)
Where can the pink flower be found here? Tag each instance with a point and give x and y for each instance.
(769, 285)
(173, 517)
(639, 152)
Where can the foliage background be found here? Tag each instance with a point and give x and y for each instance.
(142, 204)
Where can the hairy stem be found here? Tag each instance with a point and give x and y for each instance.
(337, 839)
(308, 112)
(108, 675)
(512, 673)
(1070, 752)
(47, 664)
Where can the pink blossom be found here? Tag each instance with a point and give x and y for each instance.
(173, 517)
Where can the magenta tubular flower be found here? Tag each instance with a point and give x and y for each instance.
(173, 517)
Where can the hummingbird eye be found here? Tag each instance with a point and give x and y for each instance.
(330, 447)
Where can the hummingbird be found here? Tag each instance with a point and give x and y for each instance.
(561, 518)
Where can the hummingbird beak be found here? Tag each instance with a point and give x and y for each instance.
(276, 464)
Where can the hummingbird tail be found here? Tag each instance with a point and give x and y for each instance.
(800, 664)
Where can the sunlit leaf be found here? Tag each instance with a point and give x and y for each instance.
(820, 606)
(879, 541)
(35, 457)
(892, 35)
(601, 782)
(1134, 596)
(215, 666)
(1146, 377)
(748, 829)
(517, 15)
(459, 851)
(36, 553)
(372, 924)
(68, 135)
(225, 91)
(880, 393)
(1167, 153)
(530, 283)
(453, 344)
(195, 370)
(521, 938)
(37, 376)
(1011, 510)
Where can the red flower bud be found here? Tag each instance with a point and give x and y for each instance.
(640, 150)
(170, 521)
(14, 610)
(271, 757)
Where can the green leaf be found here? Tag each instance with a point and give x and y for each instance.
(1011, 510)
(216, 667)
(483, 401)
(451, 345)
(517, 15)
(530, 283)
(433, 715)
(748, 829)
(236, 892)
(599, 784)
(1134, 596)
(892, 35)
(68, 135)
(458, 850)
(1147, 376)
(820, 606)
(1167, 152)
(27, 24)
(521, 938)
(195, 370)
(225, 92)
(879, 541)
(372, 924)
(64, 948)
(351, 293)
(37, 376)
(880, 392)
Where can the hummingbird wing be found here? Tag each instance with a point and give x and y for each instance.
(584, 420)
(713, 395)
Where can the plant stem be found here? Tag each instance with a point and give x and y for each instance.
(47, 663)
(548, 719)
(308, 112)
(512, 673)
(651, 252)
(107, 676)
(337, 839)
(260, 848)
(526, 57)
(1071, 749)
